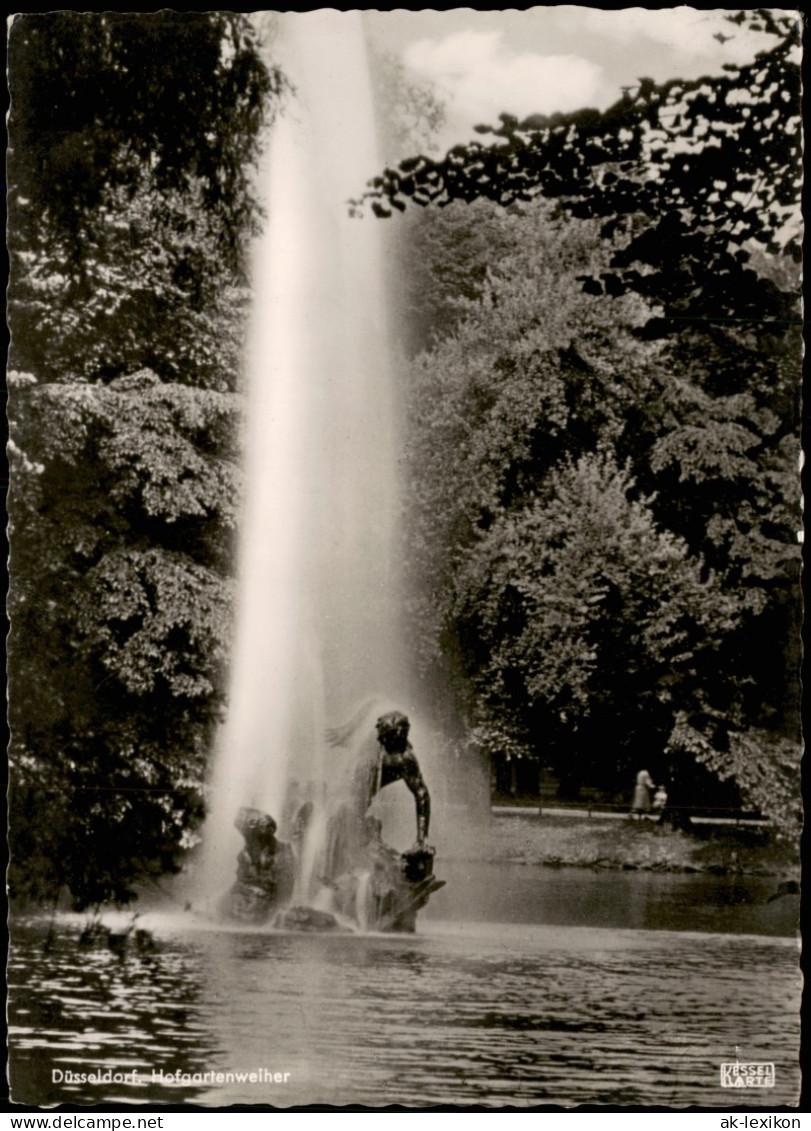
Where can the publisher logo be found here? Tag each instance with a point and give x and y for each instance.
(739, 1075)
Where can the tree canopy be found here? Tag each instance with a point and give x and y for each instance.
(97, 99)
(691, 173)
(682, 450)
(131, 204)
(602, 548)
(130, 190)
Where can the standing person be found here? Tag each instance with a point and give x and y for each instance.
(642, 794)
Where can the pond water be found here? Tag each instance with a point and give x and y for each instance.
(564, 987)
(636, 899)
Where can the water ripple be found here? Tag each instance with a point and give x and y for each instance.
(458, 1015)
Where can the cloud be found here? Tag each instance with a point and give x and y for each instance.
(688, 31)
(481, 77)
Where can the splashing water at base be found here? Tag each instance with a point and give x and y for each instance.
(319, 593)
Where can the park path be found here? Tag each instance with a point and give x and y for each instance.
(594, 812)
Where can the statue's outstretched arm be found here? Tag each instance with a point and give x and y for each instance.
(422, 798)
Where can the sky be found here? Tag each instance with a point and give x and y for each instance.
(540, 60)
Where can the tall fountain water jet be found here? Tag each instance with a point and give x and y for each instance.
(318, 584)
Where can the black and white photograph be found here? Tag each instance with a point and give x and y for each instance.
(405, 529)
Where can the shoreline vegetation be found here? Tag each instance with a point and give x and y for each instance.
(605, 842)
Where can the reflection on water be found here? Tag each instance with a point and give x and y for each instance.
(77, 1009)
(497, 1013)
(584, 897)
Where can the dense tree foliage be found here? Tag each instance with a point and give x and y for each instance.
(130, 204)
(97, 99)
(177, 312)
(593, 618)
(694, 188)
(602, 548)
(120, 623)
(445, 255)
(130, 195)
(709, 165)
(602, 450)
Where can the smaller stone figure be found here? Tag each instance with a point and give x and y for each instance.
(265, 872)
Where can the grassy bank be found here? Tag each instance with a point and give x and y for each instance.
(596, 842)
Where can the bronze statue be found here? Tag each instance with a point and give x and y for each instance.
(401, 882)
(265, 876)
(371, 884)
(390, 759)
(398, 762)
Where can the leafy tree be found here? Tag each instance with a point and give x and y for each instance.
(130, 197)
(131, 204)
(535, 372)
(689, 172)
(597, 627)
(179, 314)
(602, 527)
(124, 502)
(725, 473)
